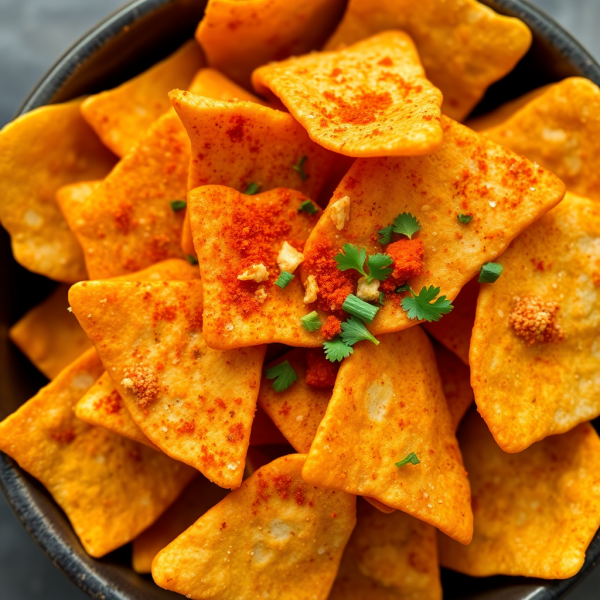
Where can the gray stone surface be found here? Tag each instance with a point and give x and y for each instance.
(33, 33)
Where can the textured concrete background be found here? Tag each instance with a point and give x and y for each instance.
(33, 33)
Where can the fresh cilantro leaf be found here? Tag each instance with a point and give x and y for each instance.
(283, 279)
(283, 374)
(490, 272)
(354, 330)
(192, 259)
(386, 235)
(299, 168)
(351, 258)
(465, 218)
(412, 458)
(406, 224)
(309, 207)
(177, 205)
(420, 306)
(253, 188)
(359, 308)
(336, 349)
(403, 288)
(311, 321)
(378, 267)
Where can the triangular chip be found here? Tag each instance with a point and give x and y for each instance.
(534, 358)
(198, 497)
(275, 537)
(464, 45)
(371, 99)
(388, 407)
(194, 403)
(239, 238)
(122, 115)
(469, 175)
(240, 36)
(559, 130)
(110, 488)
(388, 557)
(72, 197)
(40, 152)
(535, 512)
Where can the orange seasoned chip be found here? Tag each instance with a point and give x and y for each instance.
(198, 497)
(469, 175)
(559, 130)
(388, 557)
(194, 403)
(535, 512)
(241, 240)
(213, 84)
(388, 434)
(275, 537)
(534, 350)
(110, 488)
(464, 45)
(72, 197)
(240, 36)
(40, 152)
(371, 99)
(122, 115)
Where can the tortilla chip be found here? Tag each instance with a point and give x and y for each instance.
(110, 488)
(388, 403)
(559, 130)
(122, 115)
(240, 36)
(232, 232)
(40, 152)
(464, 46)
(128, 224)
(469, 174)
(536, 512)
(49, 335)
(454, 329)
(275, 537)
(388, 557)
(194, 403)
(371, 99)
(525, 391)
(198, 497)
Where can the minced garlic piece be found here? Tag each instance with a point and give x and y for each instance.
(535, 321)
(311, 289)
(256, 273)
(261, 294)
(289, 258)
(368, 291)
(340, 212)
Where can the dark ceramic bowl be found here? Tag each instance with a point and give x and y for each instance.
(123, 45)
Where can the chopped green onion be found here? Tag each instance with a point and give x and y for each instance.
(309, 207)
(177, 205)
(359, 308)
(299, 168)
(311, 321)
(283, 279)
(192, 259)
(411, 458)
(381, 298)
(253, 188)
(490, 272)
(402, 288)
(465, 218)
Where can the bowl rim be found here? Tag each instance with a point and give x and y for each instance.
(13, 482)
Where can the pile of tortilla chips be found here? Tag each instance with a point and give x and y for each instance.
(276, 299)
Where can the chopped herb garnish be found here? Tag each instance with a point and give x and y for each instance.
(253, 188)
(420, 306)
(283, 279)
(192, 259)
(490, 272)
(177, 205)
(354, 330)
(386, 235)
(309, 207)
(336, 349)
(402, 288)
(381, 298)
(465, 218)
(311, 321)
(283, 374)
(359, 308)
(299, 168)
(412, 458)
(353, 258)
(406, 224)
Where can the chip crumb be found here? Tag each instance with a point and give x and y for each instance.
(289, 259)
(340, 212)
(144, 384)
(261, 294)
(535, 321)
(311, 289)
(69, 309)
(369, 292)
(256, 273)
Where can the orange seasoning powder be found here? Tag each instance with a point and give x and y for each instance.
(321, 373)
(408, 262)
(331, 327)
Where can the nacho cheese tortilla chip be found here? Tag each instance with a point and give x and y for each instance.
(194, 403)
(275, 537)
(468, 175)
(40, 152)
(371, 99)
(534, 365)
(234, 233)
(122, 115)
(240, 36)
(464, 46)
(110, 488)
(559, 130)
(388, 403)
(535, 512)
